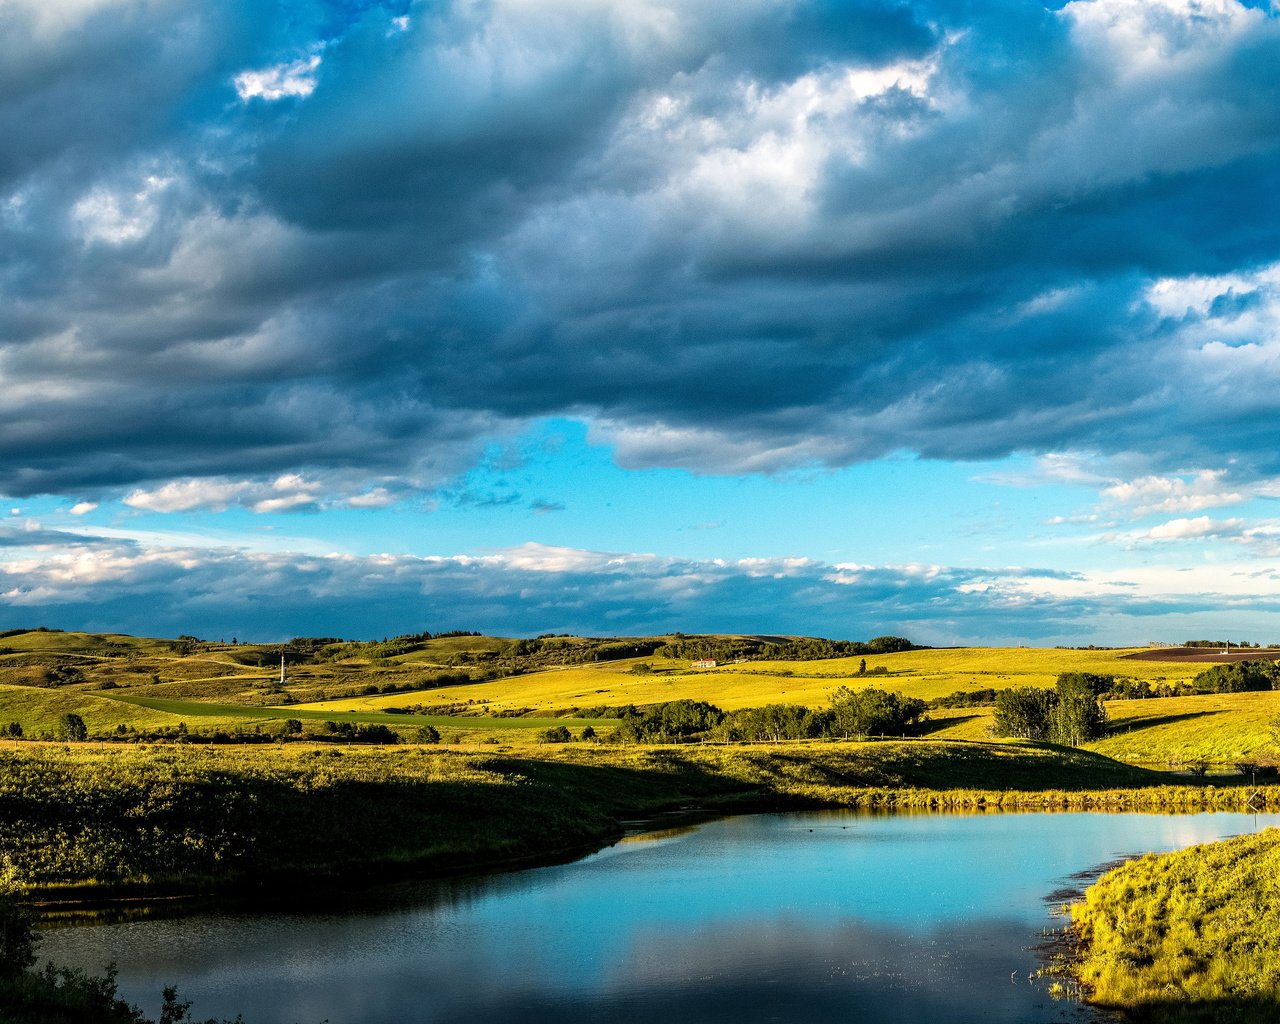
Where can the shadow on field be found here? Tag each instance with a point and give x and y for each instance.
(1133, 725)
(932, 725)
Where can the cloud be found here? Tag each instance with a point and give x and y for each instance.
(295, 78)
(1188, 529)
(357, 244)
(145, 585)
(82, 508)
(1151, 494)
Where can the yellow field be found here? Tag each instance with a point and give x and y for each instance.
(1219, 728)
(923, 674)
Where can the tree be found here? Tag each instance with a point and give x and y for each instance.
(428, 734)
(292, 726)
(71, 727)
(588, 732)
(1240, 677)
(1023, 712)
(556, 734)
(873, 712)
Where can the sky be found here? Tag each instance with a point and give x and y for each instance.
(956, 321)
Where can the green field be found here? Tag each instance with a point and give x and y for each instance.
(197, 711)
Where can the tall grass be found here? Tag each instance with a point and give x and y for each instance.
(1187, 936)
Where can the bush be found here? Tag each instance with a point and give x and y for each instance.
(556, 734)
(1071, 713)
(428, 734)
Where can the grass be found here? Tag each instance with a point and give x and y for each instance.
(1187, 936)
(1218, 728)
(79, 821)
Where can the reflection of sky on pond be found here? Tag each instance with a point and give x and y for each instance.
(754, 918)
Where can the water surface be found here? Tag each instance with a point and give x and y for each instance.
(786, 917)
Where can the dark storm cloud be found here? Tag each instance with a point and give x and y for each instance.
(358, 241)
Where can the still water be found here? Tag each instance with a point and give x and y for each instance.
(786, 917)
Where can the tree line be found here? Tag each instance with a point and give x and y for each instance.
(852, 714)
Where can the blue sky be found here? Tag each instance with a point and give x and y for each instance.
(955, 321)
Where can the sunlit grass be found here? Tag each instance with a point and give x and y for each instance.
(1190, 935)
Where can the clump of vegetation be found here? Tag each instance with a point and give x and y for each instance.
(1238, 677)
(852, 715)
(351, 733)
(965, 699)
(1187, 936)
(672, 722)
(1072, 713)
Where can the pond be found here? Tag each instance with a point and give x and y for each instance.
(781, 917)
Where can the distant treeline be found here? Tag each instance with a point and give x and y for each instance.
(1226, 643)
(697, 648)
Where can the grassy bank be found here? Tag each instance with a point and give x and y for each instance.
(80, 822)
(1187, 936)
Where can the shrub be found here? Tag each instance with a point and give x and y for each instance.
(556, 734)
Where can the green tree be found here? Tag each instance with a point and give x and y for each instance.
(71, 727)
(428, 734)
(1239, 677)
(1023, 712)
(556, 734)
(873, 712)
(1078, 715)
